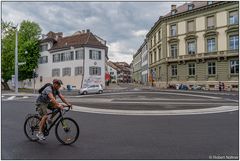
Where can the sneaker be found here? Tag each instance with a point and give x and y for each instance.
(40, 136)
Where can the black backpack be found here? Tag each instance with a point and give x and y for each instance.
(43, 87)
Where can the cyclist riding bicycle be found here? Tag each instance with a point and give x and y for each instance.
(47, 100)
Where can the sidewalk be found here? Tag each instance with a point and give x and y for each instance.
(143, 87)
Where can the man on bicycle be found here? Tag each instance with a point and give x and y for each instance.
(47, 100)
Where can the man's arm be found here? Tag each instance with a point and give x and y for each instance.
(53, 100)
(63, 99)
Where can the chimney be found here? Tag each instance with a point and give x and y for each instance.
(83, 31)
(173, 7)
(88, 30)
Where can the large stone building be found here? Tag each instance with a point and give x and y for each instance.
(140, 64)
(78, 60)
(137, 66)
(196, 43)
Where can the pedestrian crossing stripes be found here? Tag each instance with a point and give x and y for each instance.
(12, 98)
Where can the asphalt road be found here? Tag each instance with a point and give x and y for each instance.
(125, 137)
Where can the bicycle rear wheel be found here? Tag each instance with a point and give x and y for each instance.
(31, 127)
(67, 131)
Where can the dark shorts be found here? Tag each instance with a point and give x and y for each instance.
(42, 108)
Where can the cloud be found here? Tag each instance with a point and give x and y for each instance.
(140, 33)
(122, 24)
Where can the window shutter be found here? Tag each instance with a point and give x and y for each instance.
(99, 55)
(99, 70)
(90, 56)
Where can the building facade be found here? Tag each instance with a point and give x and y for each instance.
(112, 70)
(144, 64)
(196, 43)
(78, 60)
(137, 66)
(123, 72)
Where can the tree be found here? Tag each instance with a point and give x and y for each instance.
(7, 56)
(29, 34)
(28, 40)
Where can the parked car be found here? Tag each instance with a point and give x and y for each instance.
(183, 87)
(196, 87)
(91, 89)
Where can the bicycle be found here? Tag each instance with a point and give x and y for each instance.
(63, 126)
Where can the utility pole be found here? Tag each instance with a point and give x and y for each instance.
(16, 62)
(34, 80)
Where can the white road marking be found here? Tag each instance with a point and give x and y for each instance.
(123, 93)
(25, 97)
(11, 98)
(156, 112)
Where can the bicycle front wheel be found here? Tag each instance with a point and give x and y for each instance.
(31, 127)
(67, 131)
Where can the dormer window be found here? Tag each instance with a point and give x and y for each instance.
(173, 9)
(190, 7)
(173, 12)
(210, 2)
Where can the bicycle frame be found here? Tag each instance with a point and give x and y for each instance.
(47, 129)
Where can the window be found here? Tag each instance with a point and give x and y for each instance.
(210, 22)
(191, 47)
(43, 60)
(233, 17)
(155, 56)
(69, 56)
(56, 58)
(173, 50)
(190, 26)
(151, 58)
(174, 70)
(95, 55)
(211, 45)
(159, 53)
(211, 68)
(44, 47)
(191, 69)
(159, 35)
(66, 72)
(173, 12)
(173, 30)
(155, 38)
(78, 71)
(234, 66)
(233, 42)
(210, 2)
(56, 72)
(79, 54)
(190, 6)
(66, 56)
(94, 70)
(145, 57)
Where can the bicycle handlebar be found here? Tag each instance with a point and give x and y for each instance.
(68, 107)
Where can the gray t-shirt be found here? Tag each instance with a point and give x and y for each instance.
(43, 97)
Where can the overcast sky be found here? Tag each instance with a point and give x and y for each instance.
(123, 25)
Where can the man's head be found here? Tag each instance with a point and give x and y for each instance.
(57, 83)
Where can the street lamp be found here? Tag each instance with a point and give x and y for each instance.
(16, 60)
